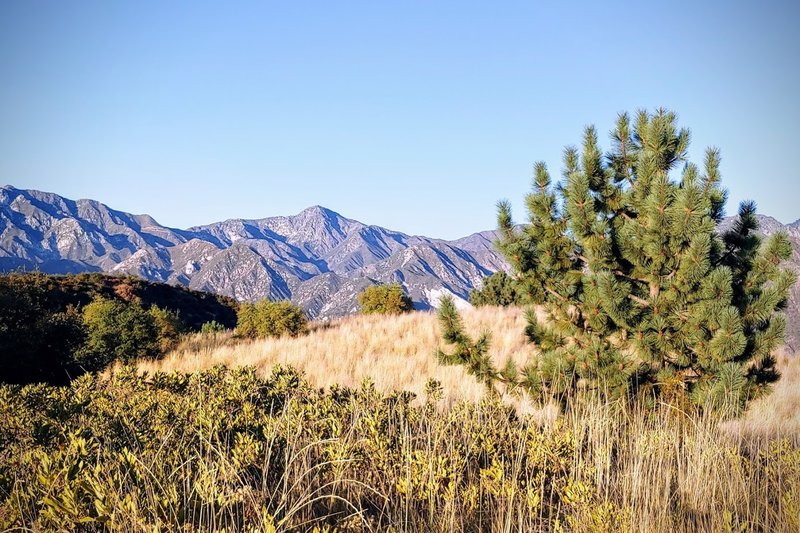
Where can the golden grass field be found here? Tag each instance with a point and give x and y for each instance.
(398, 353)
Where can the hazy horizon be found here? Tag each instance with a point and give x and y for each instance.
(410, 116)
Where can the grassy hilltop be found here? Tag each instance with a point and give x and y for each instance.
(396, 354)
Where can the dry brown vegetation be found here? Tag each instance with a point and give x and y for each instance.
(778, 413)
(397, 353)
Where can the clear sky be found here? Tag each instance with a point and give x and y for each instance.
(417, 116)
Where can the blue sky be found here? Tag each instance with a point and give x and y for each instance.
(417, 116)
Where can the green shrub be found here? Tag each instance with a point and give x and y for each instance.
(212, 327)
(498, 289)
(169, 327)
(116, 331)
(271, 319)
(384, 300)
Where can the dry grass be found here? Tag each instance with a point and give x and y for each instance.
(397, 353)
(778, 413)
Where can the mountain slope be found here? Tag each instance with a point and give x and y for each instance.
(317, 258)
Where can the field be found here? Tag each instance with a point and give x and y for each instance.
(187, 444)
(398, 354)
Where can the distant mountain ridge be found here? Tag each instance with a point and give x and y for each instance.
(317, 258)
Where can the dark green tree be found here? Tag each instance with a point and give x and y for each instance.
(498, 289)
(116, 331)
(636, 282)
(384, 299)
(36, 342)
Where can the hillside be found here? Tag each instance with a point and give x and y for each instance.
(193, 307)
(54, 328)
(396, 352)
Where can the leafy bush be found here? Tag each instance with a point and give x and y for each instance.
(116, 331)
(499, 289)
(169, 327)
(271, 319)
(231, 449)
(384, 299)
(212, 327)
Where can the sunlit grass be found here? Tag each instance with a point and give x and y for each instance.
(396, 353)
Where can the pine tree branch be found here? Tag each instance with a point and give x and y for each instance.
(729, 251)
(640, 301)
(554, 293)
(631, 278)
(619, 273)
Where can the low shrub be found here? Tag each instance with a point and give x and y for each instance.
(230, 449)
(385, 300)
(212, 327)
(271, 319)
(169, 327)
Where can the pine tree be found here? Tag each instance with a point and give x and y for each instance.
(471, 355)
(636, 283)
(498, 289)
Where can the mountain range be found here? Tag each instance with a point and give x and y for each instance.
(317, 258)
